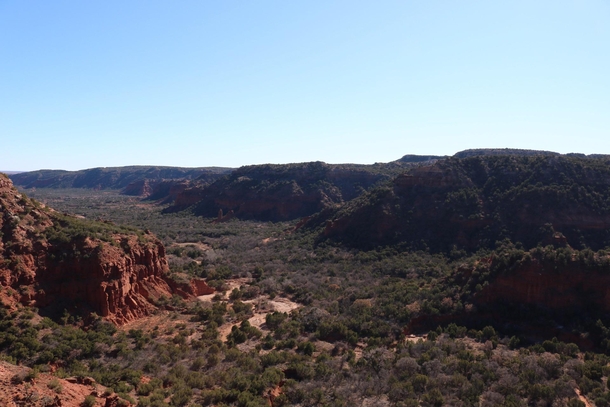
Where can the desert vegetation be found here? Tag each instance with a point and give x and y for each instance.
(401, 323)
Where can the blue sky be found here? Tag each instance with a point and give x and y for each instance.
(199, 83)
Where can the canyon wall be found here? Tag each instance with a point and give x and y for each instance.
(57, 262)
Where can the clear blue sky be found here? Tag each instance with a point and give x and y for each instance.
(225, 83)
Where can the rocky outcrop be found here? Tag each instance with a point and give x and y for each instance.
(56, 262)
(191, 288)
(562, 285)
(160, 191)
(117, 281)
(536, 295)
(188, 196)
(542, 293)
(224, 218)
(141, 188)
(167, 191)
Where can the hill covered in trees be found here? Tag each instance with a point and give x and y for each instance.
(128, 178)
(289, 191)
(472, 203)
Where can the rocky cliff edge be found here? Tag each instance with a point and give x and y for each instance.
(60, 263)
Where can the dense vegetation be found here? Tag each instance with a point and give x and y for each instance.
(407, 321)
(472, 203)
(285, 192)
(190, 366)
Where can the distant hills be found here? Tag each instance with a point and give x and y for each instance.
(133, 180)
(122, 177)
(278, 192)
(519, 152)
(412, 158)
(264, 192)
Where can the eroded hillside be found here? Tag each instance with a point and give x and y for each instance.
(283, 192)
(144, 181)
(58, 262)
(471, 203)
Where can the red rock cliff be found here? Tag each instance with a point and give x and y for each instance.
(57, 262)
(552, 285)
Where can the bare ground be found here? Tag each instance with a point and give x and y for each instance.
(262, 305)
(37, 392)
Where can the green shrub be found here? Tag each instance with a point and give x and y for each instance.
(55, 385)
(89, 401)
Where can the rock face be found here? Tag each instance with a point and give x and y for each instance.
(469, 203)
(117, 281)
(545, 290)
(188, 196)
(167, 191)
(557, 279)
(565, 287)
(142, 188)
(541, 293)
(193, 288)
(57, 262)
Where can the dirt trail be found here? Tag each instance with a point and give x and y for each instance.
(162, 321)
(259, 317)
(415, 338)
(232, 284)
(204, 247)
(281, 304)
(583, 398)
(262, 305)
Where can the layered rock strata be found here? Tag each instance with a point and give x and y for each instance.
(57, 262)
